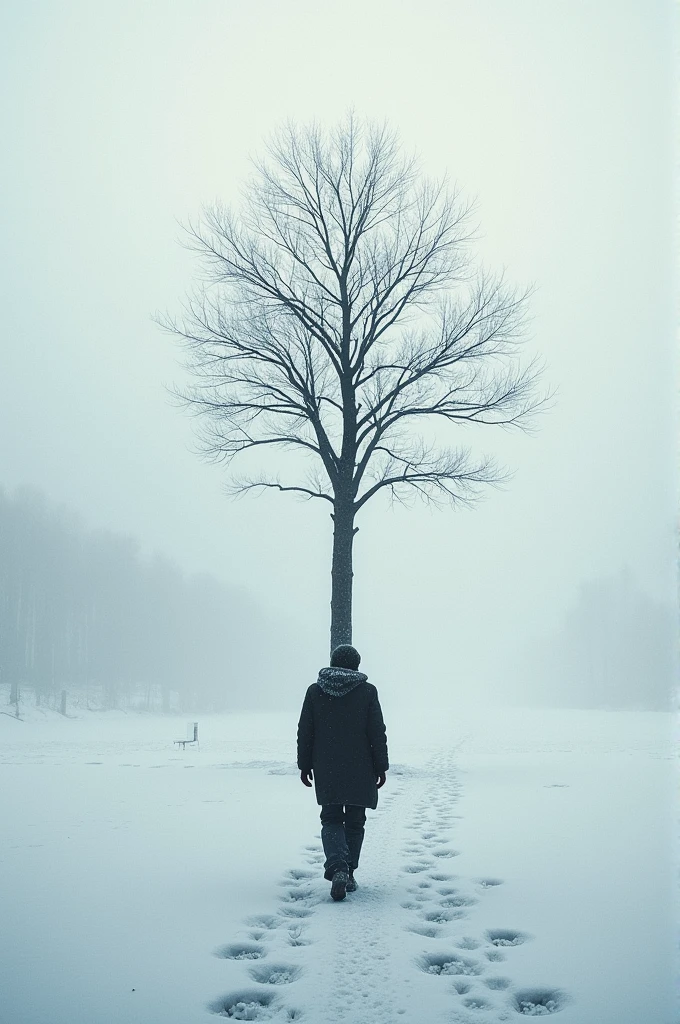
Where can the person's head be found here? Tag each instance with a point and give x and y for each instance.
(345, 656)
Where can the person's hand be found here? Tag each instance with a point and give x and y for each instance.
(306, 778)
(381, 780)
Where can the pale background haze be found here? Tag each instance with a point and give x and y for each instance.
(121, 120)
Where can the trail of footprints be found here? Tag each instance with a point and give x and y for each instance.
(286, 928)
(302, 889)
(437, 901)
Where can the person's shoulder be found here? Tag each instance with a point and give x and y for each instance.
(373, 690)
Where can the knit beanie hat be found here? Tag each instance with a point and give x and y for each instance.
(345, 656)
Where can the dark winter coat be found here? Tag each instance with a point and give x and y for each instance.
(342, 739)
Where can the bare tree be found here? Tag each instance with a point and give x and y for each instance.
(342, 316)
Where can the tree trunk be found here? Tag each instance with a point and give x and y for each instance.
(111, 696)
(342, 575)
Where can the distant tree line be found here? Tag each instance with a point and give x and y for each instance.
(84, 611)
(616, 648)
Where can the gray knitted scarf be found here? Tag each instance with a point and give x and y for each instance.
(336, 682)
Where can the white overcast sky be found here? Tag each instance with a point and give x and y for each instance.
(121, 119)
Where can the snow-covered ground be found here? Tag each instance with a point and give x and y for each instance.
(519, 860)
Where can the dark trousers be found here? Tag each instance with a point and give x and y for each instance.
(342, 833)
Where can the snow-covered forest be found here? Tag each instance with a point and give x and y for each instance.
(616, 648)
(87, 612)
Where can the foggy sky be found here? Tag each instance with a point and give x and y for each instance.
(121, 120)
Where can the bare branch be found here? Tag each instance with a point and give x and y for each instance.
(448, 477)
(343, 314)
(246, 486)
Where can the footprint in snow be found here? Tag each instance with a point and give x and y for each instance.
(506, 937)
(429, 931)
(296, 936)
(488, 883)
(267, 922)
(477, 1003)
(294, 911)
(303, 895)
(445, 852)
(299, 874)
(439, 838)
(462, 987)
(442, 916)
(240, 951)
(275, 974)
(497, 984)
(443, 964)
(539, 1002)
(458, 901)
(243, 1006)
(252, 1004)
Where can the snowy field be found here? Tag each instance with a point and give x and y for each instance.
(519, 864)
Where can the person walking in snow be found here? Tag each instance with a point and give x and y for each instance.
(342, 746)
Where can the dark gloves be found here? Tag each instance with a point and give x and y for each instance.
(306, 778)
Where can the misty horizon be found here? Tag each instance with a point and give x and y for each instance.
(569, 165)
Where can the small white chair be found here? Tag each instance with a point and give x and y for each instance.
(192, 736)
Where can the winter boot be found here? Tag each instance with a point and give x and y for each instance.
(351, 882)
(339, 885)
